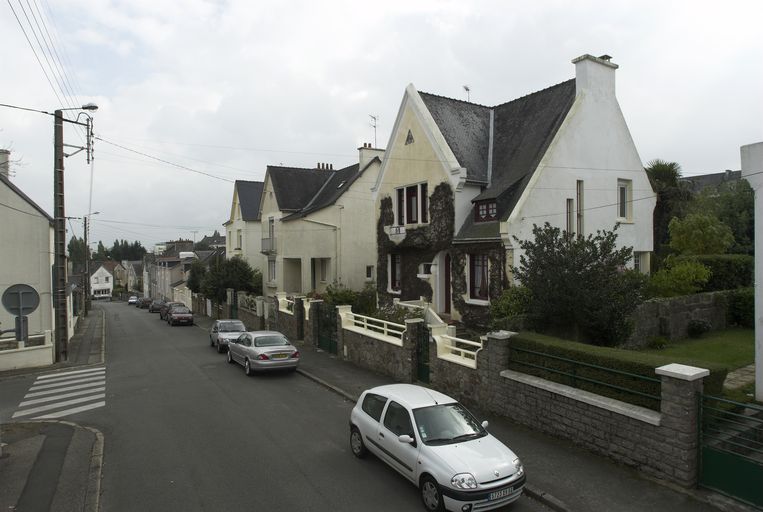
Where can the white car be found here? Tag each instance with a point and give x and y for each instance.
(132, 300)
(437, 444)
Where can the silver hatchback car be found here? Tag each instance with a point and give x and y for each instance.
(223, 331)
(263, 350)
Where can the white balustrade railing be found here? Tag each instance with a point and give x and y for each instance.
(458, 350)
(390, 332)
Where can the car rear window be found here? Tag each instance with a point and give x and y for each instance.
(180, 310)
(270, 341)
(373, 405)
(232, 327)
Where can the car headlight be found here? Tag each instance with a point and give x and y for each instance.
(520, 469)
(464, 481)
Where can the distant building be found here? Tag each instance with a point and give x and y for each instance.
(703, 181)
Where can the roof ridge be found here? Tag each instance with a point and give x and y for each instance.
(533, 93)
(454, 99)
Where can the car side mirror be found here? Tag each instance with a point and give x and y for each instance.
(405, 438)
(485, 424)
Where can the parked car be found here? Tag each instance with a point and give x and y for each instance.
(224, 330)
(437, 444)
(144, 302)
(179, 315)
(155, 306)
(263, 350)
(132, 300)
(167, 305)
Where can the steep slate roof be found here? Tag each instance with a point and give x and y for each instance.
(249, 194)
(703, 181)
(522, 130)
(295, 187)
(337, 183)
(26, 198)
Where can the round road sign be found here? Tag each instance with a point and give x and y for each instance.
(21, 299)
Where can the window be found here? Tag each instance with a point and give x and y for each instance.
(624, 199)
(106, 279)
(641, 262)
(271, 270)
(397, 420)
(485, 211)
(238, 238)
(373, 405)
(230, 240)
(271, 228)
(478, 276)
(323, 269)
(394, 272)
(570, 217)
(579, 202)
(369, 272)
(412, 205)
(95, 280)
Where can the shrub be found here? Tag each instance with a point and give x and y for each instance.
(697, 328)
(657, 342)
(628, 361)
(742, 307)
(727, 271)
(513, 301)
(362, 302)
(680, 278)
(397, 314)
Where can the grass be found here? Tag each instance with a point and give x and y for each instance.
(733, 348)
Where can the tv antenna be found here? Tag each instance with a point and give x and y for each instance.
(468, 90)
(374, 122)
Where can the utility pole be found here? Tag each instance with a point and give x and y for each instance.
(59, 236)
(87, 264)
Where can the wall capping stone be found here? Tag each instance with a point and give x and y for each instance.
(682, 372)
(608, 404)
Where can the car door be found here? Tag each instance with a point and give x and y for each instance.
(213, 334)
(368, 420)
(236, 346)
(401, 456)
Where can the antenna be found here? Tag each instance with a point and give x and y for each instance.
(375, 120)
(468, 90)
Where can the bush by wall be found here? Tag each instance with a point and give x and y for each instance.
(728, 271)
(603, 359)
(742, 307)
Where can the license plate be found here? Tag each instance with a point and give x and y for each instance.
(280, 356)
(500, 494)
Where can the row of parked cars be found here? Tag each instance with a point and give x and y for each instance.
(256, 351)
(174, 313)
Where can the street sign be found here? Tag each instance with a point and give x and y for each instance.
(21, 299)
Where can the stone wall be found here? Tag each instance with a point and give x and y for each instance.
(670, 317)
(291, 324)
(250, 319)
(380, 356)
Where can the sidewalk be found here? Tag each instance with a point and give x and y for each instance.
(54, 465)
(559, 474)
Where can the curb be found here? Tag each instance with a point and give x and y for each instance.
(530, 491)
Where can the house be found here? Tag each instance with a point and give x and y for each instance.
(243, 227)
(318, 225)
(103, 278)
(460, 181)
(134, 274)
(26, 252)
(701, 182)
(214, 241)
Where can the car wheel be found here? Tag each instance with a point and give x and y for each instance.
(219, 348)
(431, 495)
(356, 443)
(230, 358)
(247, 368)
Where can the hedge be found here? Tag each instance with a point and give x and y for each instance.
(729, 271)
(742, 307)
(611, 358)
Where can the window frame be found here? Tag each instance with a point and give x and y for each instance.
(380, 398)
(625, 200)
(271, 271)
(485, 211)
(395, 268)
(398, 409)
(484, 271)
(412, 204)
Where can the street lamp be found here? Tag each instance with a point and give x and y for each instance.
(59, 219)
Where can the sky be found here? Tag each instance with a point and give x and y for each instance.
(218, 90)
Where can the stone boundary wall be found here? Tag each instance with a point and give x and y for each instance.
(670, 317)
(291, 324)
(378, 355)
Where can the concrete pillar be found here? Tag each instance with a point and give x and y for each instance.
(311, 330)
(679, 406)
(415, 329)
(299, 317)
(341, 350)
(491, 361)
(752, 171)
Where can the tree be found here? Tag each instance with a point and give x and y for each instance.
(233, 273)
(578, 285)
(673, 198)
(734, 204)
(682, 278)
(196, 276)
(101, 254)
(77, 253)
(699, 233)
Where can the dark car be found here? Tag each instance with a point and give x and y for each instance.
(144, 303)
(179, 315)
(166, 307)
(156, 306)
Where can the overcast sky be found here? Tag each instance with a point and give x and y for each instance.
(228, 87)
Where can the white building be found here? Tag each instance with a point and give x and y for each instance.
(101, 283)
(243, 228)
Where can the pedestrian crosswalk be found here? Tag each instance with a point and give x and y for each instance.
(57, 395)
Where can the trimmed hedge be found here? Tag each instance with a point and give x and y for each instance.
(607, 358)
(729, 271)
(742, 307)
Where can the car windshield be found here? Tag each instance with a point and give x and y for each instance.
(270, 341)
(180, 310)
(447, 424)
(232, 327)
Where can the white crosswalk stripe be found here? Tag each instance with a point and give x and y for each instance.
(56, 395)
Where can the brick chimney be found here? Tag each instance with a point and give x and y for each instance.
(595, 76)
(5, 168)
(366, 153)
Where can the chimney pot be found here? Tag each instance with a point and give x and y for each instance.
(331, 167)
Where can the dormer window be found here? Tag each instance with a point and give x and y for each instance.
(485, 211)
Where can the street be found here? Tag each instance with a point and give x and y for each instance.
(184, 430)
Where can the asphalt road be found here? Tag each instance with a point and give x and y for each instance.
(184, 430)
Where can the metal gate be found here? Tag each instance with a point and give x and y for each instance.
(731, 449)
(422, 355)
(327, 327)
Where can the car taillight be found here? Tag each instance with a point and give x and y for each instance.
(263, 357)
(295, 355)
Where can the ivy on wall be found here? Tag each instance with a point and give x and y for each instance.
(471, 314)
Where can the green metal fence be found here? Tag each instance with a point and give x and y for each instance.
(610, 382)
(731, 448)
